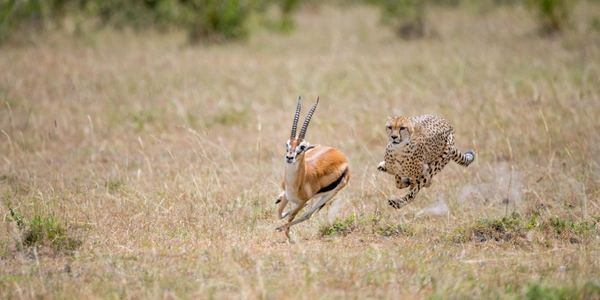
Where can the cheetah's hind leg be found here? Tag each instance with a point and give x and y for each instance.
(436, 166)
(415, 187)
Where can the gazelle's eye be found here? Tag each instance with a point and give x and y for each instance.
(302, 147)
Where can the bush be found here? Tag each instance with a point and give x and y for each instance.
(590, 290)
(341, 227)
(552, 15)
(216, 20)
(205, 20)
(43, 231)
(513, 229)
(406, 16)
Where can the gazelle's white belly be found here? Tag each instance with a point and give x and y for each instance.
(292, 198)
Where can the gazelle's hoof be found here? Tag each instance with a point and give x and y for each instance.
(279, 228)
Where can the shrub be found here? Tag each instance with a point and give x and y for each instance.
(513, 229)
(341, 227)
(43, 231)
(590, 290)
(552, 15)
(205, 20)
(218, 21)
(406, 16)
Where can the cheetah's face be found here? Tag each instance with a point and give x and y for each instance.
(399, 130)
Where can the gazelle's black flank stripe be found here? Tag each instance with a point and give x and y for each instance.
(334, 184)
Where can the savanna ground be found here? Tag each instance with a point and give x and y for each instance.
(134, 166)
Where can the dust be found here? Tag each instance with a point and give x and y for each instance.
(438, 209)
(503, 183)
(334, 210)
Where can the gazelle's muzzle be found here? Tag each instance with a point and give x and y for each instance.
(290, 158)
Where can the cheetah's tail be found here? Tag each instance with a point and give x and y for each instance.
(463, 159)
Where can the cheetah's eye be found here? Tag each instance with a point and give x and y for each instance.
(402, 128)
(389, 127)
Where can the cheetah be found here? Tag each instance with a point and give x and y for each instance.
(419, 148)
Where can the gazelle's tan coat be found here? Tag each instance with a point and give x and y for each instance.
(310, 171)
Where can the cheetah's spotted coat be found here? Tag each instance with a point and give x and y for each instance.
(419, 148)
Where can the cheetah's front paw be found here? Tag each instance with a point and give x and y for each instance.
(396, 202)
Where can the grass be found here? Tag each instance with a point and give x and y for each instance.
(160, 163)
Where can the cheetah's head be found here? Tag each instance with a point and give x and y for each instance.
(399, 130)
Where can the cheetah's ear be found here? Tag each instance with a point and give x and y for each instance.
(389, 118)
(416, 129)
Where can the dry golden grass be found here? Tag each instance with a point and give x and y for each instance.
(162, 162)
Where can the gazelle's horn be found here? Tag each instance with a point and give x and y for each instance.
(295, 125)
(310, 113)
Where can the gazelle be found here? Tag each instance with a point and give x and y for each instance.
(310, 171)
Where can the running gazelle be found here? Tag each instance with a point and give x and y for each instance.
(310, 171)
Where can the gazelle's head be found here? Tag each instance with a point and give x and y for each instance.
(297, 146)
(399, 130)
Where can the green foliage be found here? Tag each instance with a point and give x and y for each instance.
(219, 20)
(34, 14)
(407, 16)
(552, 15)
(595, 24)
(278, 15)
(42, 231)
(142, 117)
(513, 229)
(382, 228)
(341, 227)
(113, 185)
(590, 290)
(15, 217)
(205, 20)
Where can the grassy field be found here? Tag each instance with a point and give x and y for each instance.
(133, 166)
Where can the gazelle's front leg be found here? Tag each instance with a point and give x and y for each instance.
(282, 201)
(293, 214)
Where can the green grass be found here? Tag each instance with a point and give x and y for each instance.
(150, 169)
